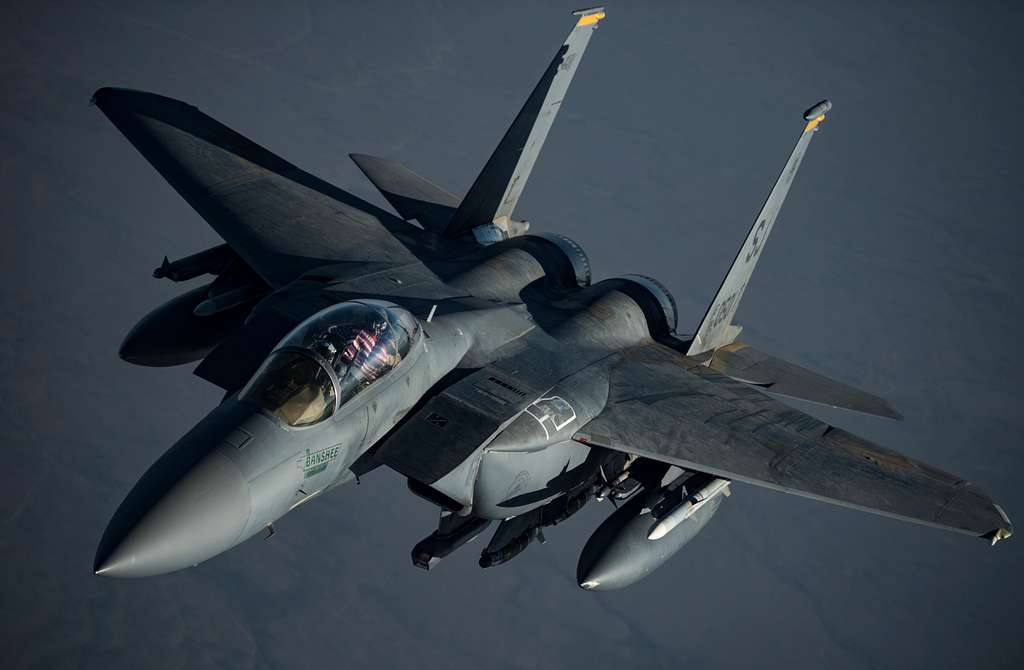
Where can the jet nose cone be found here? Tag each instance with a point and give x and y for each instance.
(201, 515)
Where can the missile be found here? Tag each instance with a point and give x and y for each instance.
(454, 532)
(688, 507)
(511, 538)
(210, 261)
(511, 549)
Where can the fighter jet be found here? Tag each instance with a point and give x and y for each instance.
(478, 361)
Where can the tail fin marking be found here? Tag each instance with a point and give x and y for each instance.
(493, 196)
(716, 329)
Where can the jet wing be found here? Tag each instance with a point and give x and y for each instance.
(280, 220)
(668, 407)
(744, 363)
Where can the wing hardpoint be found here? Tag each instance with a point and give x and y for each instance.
(669, 408)
(494, 194)
(280, 220)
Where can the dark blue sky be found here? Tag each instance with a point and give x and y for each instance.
(896, 266)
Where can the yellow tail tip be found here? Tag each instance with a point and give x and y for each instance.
(590, 16)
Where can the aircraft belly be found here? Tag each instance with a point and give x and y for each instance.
(512, 482)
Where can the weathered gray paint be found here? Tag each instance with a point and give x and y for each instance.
(494, 194)
(519, 312)
(714, 330)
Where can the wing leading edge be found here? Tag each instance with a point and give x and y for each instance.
(669, 408)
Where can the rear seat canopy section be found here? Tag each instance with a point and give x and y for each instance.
(329, 359)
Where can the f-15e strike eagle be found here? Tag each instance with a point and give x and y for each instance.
(476, 360)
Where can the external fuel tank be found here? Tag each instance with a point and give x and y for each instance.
(619, 552)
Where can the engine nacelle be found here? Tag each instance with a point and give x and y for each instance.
(620, 552)
(501, 271)
(579, 263)
(666, 317)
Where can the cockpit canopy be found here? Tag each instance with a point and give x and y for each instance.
(330, 358)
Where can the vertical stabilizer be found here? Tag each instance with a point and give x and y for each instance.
(716, 329)
(496, 191)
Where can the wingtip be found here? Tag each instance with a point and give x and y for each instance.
(115, 100)
(364, 162)
(103, 94)
(997, 535)
(1001, 533)
(818, 109)
(589, 16)
(816, 114)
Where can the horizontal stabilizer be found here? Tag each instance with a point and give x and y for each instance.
(412, 196)
(744, 363)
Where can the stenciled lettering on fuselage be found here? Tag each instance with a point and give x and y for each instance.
(552, 413)
(315, 462)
